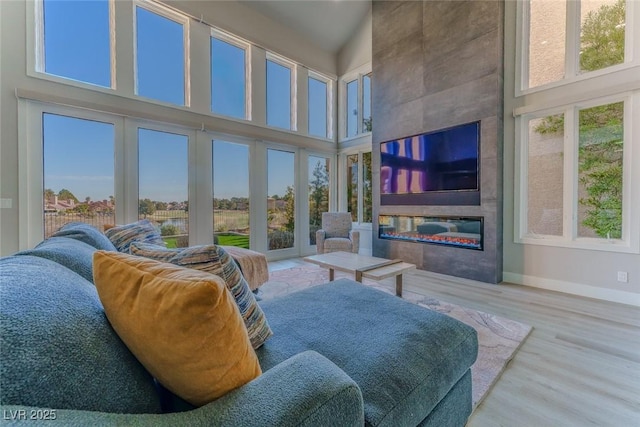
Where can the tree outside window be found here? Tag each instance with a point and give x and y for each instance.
(600, 129)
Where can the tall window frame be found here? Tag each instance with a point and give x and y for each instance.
(357, 76)
(293, 101)
(246, 46)
(363, 179)
(36, 62)
(329, 107)
(182, 19)
(567, 97)
(572, 71)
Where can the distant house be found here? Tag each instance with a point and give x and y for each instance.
(53, 205)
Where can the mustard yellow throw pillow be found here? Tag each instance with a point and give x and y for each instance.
(183, 325)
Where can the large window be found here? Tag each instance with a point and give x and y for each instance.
(281, 201)
(318, 194)
(77, 41)
(163, 184)
(596, 39)
(228, 78)
(231, 194)
(160, 57)
(154, 157)
(318, 107)
(78, 172)
(574, 135)
(279, 94)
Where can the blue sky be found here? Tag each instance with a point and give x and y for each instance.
(79, 153)
(84, 165)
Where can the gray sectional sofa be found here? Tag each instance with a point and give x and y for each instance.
(342, 354)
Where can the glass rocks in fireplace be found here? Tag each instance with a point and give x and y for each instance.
(461, 232)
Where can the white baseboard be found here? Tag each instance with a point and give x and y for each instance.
(582, 290)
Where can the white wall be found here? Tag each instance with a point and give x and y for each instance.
(358, 51)
(589, 273)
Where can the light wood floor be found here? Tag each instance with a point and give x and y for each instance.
(580, 366)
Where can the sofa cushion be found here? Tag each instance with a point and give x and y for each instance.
(85, 233)
(140, 231)
(215, 260)
(335, 244)
(71, 253)
(182, 324)
(405, 360)
(58, 349)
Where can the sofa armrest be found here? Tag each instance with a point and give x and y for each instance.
(320, 236)
(304, 390)
(354, 235)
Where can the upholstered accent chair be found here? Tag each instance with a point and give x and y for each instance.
(336, 234)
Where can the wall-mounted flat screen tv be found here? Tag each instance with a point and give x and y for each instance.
(444, 161)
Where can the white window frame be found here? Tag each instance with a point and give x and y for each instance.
(344, 203)
(306, 248)
(572, 47)
(31, 158)
(357, 74)
(254, 217)
(165, 12)
(370, 75)
(630, 240)
(280, 60)
(35, 43)
(273, 254)
(246, 46)
(329, 107)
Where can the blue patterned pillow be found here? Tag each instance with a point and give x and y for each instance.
(71, 253)
(215, 260)
(85, 233)
(141, 231)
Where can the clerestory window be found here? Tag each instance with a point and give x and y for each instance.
(75, 40)
(229, 76)
(161, 54)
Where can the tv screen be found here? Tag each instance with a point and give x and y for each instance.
(441, 161)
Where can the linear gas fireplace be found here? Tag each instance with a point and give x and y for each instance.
(461, 232)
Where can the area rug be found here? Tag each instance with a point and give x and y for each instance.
(498, 338)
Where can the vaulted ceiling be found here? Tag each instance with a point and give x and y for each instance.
(327, 23)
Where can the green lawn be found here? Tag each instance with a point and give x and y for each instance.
(171, 241)
(223, 239)
(233, 240)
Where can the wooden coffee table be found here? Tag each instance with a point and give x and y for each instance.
(362, 266)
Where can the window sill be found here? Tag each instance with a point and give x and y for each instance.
(590, 244)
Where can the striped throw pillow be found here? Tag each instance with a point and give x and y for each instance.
(215, 260)
(141, 231)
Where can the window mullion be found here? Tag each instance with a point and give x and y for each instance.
(572, 40)
(521, 226)
(570, 178)
(39, 36)
(631, 44)
(293, 101)
(630, 200)
(112, 41)
(523, 29)
(360, 187)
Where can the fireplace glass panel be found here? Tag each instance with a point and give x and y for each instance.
(461, 232)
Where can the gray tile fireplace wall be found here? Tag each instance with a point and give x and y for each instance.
(438, 64)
